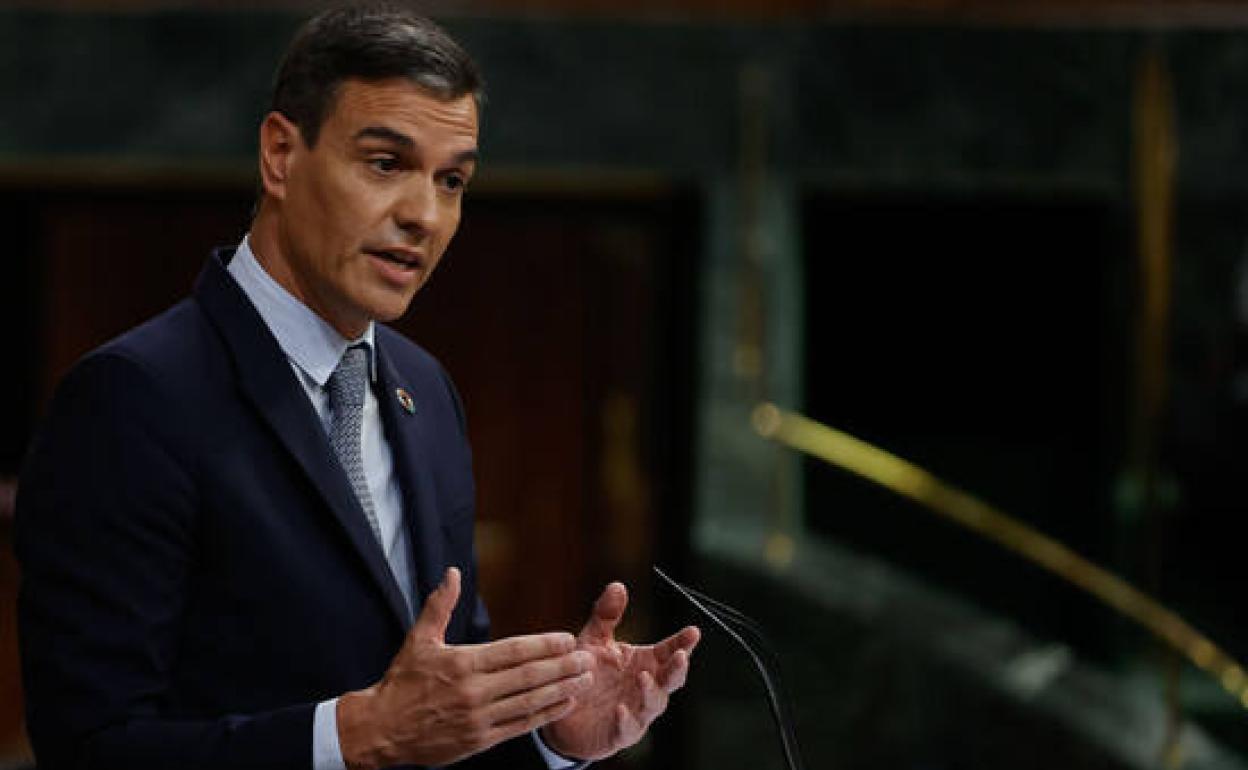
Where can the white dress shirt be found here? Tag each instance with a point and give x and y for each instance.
(313, 348)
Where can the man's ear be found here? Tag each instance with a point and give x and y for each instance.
(279, 142)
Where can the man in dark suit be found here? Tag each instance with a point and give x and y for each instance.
(245, 530)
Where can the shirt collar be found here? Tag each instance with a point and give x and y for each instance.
(307, 339)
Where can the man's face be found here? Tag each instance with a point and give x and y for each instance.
(366, 214)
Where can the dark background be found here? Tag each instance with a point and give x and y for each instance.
(959, 178)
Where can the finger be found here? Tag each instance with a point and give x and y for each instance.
(535, 674)
(685, 639)
(672, 674)
(434, 617)
(653, 699)
(518, 707)
(515, 650)
(608, 610)
(627, 729)
(530, 722)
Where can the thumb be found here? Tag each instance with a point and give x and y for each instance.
(434, 617)
(608, 611)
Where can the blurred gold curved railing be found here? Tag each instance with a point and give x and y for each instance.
(909, 480)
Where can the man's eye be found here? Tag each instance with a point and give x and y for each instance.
(386, 164)
(454, 182)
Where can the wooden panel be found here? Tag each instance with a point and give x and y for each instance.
(518, 357)
(13, 746)
(112, 261)
(541, 313)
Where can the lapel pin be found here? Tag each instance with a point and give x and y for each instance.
(405, 399)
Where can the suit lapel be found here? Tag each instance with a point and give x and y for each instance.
(271, 387)
(404, 432)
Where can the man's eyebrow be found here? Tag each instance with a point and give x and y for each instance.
(388, 134)
(468, 156)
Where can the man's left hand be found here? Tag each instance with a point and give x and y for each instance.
(630, 688)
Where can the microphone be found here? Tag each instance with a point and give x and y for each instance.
(738, 626)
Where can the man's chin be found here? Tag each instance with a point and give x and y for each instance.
(392, 308)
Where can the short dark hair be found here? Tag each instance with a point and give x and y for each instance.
(370, 41)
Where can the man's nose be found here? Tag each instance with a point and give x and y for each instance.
(417, 209)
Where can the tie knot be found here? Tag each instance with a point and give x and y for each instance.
(346, 384)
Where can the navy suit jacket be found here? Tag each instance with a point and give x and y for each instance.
(196, 571)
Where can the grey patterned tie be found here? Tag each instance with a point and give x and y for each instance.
(346, 407)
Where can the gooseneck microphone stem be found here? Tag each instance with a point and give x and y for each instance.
(729, 620)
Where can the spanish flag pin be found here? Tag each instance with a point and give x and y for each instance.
(405, 399)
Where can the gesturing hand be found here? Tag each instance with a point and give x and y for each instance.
(438, 703)
(630, 688)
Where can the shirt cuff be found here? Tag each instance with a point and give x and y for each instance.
(554, 761)
(326, 753)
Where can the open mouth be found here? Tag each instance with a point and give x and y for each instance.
(396, 257)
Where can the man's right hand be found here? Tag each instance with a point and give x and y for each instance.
(439, 703)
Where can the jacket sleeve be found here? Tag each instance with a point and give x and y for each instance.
(105, 528)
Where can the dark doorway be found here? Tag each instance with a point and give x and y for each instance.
(981, 337)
